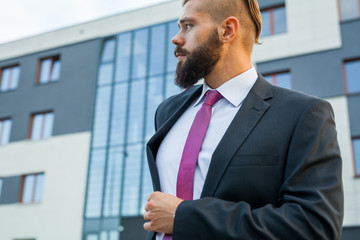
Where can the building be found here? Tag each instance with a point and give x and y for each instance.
(77, 106)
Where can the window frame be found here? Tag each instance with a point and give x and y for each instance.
(356, 174)
(53, 59)
(2, 69)
(345, 78)
(34, 187)
(31, 124)
(272, 74)
(340, 15)
(271, 18)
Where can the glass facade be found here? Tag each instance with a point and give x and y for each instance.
(136, 74)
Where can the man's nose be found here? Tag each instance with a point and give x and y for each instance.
(178, 40)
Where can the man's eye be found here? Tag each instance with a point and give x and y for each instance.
(187, 26)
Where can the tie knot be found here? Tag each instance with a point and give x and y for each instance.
(212, 97)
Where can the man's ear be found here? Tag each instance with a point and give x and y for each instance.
(229, 29)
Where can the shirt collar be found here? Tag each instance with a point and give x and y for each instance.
(235, 90)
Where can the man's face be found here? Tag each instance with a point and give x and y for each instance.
(198, 47)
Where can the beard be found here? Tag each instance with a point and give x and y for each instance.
(200, 62)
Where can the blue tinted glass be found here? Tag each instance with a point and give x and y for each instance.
(36, 130)
(352, 70)
(5, 130)
(118, 120)
(349, 9)
(28, 189)
(157, 49)
(47, 127)
(92, 237)
(108, 51)
(140, 53)
(283, 80)
(154, 98)
(55, 71)
(123, 57)
(131, 198)
(171, 88)
(105, 74)
(39, 187)
(171, 60)
(0, 186)
(95, 184)
(5, 79)
(15, 77)
(136, 112)
(45, 70)
(279, 20)
(266, 29)
(356, 145)
(101, 121)
(113, 182)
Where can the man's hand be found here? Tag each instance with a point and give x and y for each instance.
(159, 212)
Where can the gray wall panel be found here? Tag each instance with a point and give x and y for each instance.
(10, 190)
(71, 98)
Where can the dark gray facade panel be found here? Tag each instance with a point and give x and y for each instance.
(10, 190)
(133, 228)
(354, 115)
(319, 74)
(350, 233)
(270, 3)
(71, 98)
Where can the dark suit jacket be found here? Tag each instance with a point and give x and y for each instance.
(276, 173)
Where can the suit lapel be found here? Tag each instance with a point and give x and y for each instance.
(251, 111)
(155, 141)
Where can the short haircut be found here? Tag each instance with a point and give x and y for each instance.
(246, 11)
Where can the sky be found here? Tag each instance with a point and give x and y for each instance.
(23, 18)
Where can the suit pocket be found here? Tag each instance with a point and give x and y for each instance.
(254, 160)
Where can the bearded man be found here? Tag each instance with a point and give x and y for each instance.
(235, 157)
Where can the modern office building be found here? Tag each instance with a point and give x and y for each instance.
(77, 107)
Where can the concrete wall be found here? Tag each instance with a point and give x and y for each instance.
(59, 215)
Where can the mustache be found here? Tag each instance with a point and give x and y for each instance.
(179, 50)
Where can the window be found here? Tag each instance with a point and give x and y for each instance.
(273, 21)
(282, 79)
(41, 125)
(9, 78)
(5, 129)
(0, 186)
(352, 76)
(356, 149)
(349, 9)
(49, 70)
(31, 188)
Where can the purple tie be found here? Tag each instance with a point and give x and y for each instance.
(185, 178)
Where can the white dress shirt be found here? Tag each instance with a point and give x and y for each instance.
(170, 151)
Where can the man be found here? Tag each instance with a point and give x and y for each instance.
(268, 165)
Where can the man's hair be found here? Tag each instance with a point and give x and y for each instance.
(246, 11)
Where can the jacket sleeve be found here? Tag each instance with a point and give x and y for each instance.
(310, 198)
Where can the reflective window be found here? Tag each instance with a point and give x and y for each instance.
(171, 88)
(352, 76)
(49, 70)
(280, 79)
(130, 206)
(273, 21)
(32, 188)
(105, 74)
(139, 62)
(349, 9)
(123, 57)
(9, 78)
(171, 60)
(108, 51)
(41, 125)
(1, 181)
(5, 130)
(157, 50)
(356, 147)
(95, 184)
